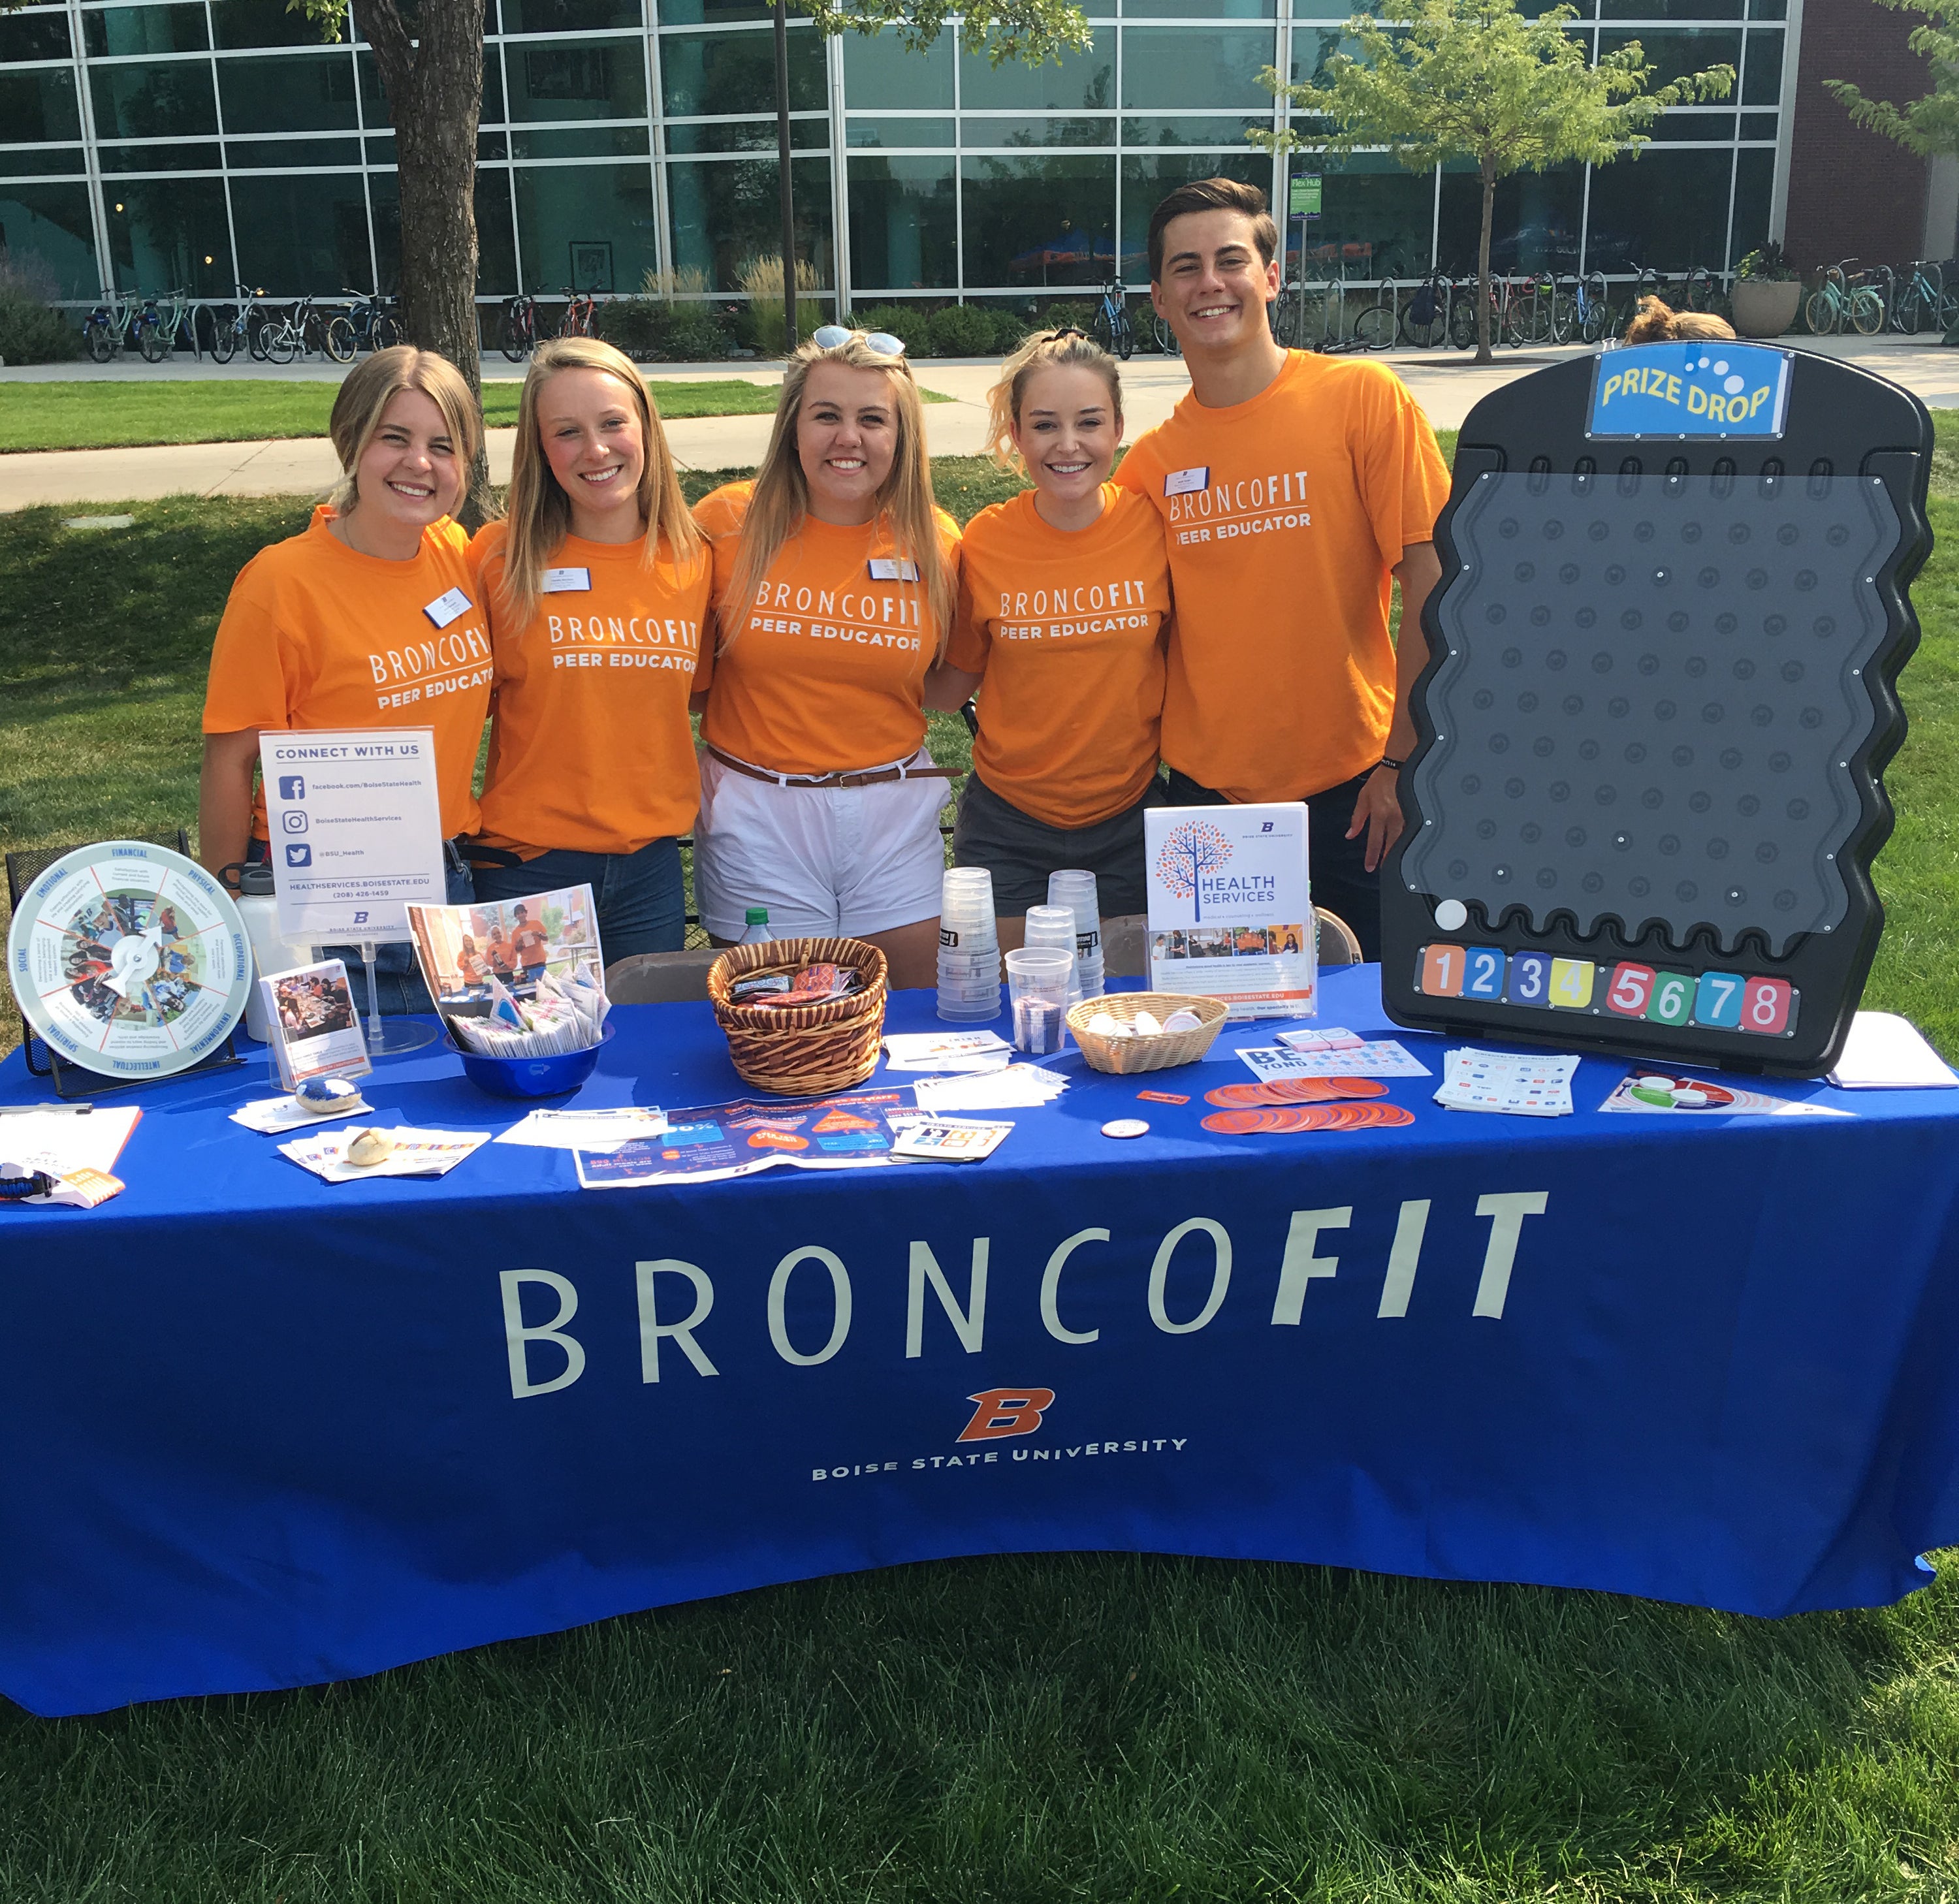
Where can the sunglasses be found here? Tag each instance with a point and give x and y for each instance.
(827, 337)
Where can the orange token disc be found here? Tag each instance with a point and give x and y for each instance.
(1237, 1096)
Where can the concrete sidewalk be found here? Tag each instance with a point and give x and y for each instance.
(1445, 383)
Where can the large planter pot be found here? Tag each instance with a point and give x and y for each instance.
(1764, 307)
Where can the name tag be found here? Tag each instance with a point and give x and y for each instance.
(445, 608)
(886, 568)
(567, 581)
(1186, 482)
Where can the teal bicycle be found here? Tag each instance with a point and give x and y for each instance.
(1111, 326)
(1839, 303)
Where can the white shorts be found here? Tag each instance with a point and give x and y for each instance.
(827, 862)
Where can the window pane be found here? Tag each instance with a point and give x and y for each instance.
(1768, 9)
(589, 227)
(1758, 125)
(31, 160)
(583, 142)
(1666, 210)
(710, 13)
(496, 250)
(287, 155)
(1671, 9)
(1178, 68)
(251, 23)
(161, 231)
(1536, 223)
(748, 135)
(1755, 178)
(1081, 79)
(160, 158)
(117, 31)
(152, 102)
(1202, 9)
(300, 233)
(1672, 128)
(1147, 180)
(51, 223)
(726, 211)
(302, 94)
(1761, 84)
(903, 232)
(1227, 133)
(897, 131)
(374, 98)
(571, 79)
(38, 35)
(1035, 222)
(1672, 52)
(1313, 46)
(1042, 130)
(569, 16)
(35, 107)
(878, 72)
(735, 72)
(1375, 215)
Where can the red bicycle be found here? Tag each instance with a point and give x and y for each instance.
(581, 314)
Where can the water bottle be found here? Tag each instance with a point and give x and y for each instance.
(259, 909)
(756, 932)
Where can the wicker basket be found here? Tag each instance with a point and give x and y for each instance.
(801, 1051)
(1126, 1056)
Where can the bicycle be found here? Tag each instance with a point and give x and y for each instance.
(1424, 320)
(1923, 299)
(369, 325)
(1531, 316)
(581, 315)
(1463, 313)
(1585, 307)
(1165, 338)
(1836, 300)
(1111, 326)
(520, 326)
(106, 329)
(293, 333)
(158, 328)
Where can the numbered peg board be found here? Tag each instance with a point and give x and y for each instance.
(1659, 699)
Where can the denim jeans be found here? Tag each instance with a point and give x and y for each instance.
(397, 980)
(640, 900)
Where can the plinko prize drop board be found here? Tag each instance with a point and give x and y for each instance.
(129, 959)
(1660, 696)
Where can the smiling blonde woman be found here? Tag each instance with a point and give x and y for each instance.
(597, 584)
(834, 582)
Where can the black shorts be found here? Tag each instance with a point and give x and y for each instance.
(1337, 866)
(1019, 851)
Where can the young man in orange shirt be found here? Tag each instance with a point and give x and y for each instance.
(1294, 489)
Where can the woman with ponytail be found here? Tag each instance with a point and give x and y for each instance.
(597, 585)
(834, 581)
(1062, 625)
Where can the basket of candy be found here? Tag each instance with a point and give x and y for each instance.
(802, 1015)
(1125, 1031)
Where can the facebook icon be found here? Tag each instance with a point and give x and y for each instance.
(292, 786)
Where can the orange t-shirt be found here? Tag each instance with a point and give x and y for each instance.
(829, 674)
(590, 747)
(1284, 515)
(318, 635)
(1068, 627)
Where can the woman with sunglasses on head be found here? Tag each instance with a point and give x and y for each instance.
(834, 580)
(370, 617)
(597, 584)
(1063, 620)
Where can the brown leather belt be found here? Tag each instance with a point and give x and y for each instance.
(877, 779)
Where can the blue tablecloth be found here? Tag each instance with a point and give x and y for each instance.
(258, 1431)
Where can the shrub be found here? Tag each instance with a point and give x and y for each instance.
(632, 323)
(911, 324)
(31, 332)
(962, 330)
(691, 333)
(1009, 329)
(761, 278)
(1066, 311)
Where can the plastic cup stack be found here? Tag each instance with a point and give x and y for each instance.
(1038, 977)
(1052, 928)
(969, 947)
(1076, 890)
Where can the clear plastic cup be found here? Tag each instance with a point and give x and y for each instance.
(1075, 888)
(1052, 928)
(1037, 980)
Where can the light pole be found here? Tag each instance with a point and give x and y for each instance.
(782, 9)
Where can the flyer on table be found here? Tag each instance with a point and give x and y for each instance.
(1231, 907)
(314, 1028)
(355, 821)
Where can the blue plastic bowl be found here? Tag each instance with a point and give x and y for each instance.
(529, 1077)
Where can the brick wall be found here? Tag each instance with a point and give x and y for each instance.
(1851, 193)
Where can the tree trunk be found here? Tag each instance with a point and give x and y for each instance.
(1483, 326)
(434, 88)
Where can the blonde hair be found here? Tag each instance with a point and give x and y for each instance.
(1064, 350)
(1656, 322)
(538, 510)
(780, 499)
(364, 397)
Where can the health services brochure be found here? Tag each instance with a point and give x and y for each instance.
(712, 1142)
(1231, 907)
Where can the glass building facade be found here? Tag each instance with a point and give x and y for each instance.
(204, 143)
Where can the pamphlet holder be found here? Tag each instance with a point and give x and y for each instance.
(388, 1036)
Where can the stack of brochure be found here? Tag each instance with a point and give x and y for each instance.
(1011, 1087)
(1519, 1084)
(946, 1051)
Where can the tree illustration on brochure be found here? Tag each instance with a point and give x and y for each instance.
(1191, 850)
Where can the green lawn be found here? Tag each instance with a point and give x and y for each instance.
(101, 416)
(1003, 1731)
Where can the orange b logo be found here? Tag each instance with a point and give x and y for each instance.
(1002, 1412)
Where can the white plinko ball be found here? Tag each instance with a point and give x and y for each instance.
(369, 1146)
(1146, 1025)
(1452, 915)
(1185, 1020)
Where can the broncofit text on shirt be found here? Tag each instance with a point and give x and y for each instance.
(1250, 505)
(864, 616)
(624, 641)
(449, 663)
(1025, 614)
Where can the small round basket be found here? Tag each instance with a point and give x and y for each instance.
(1125, 1056)
(801, 1051)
